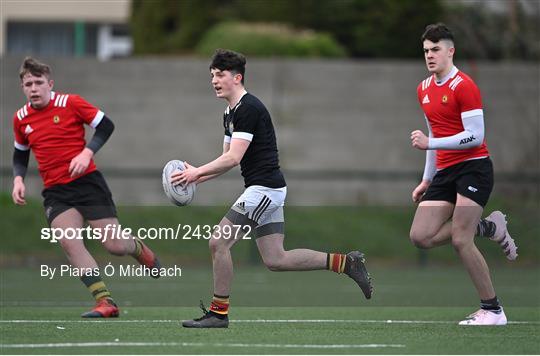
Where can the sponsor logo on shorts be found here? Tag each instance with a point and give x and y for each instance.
(241, 206)
(472, 189)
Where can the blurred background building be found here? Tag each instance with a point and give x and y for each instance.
(66, 28)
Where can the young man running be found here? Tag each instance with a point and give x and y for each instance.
(52, 126)
(458, 174)
(250, 142)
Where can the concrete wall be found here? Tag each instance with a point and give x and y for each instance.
(342, 126)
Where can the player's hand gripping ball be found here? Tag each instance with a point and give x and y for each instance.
(178, 194)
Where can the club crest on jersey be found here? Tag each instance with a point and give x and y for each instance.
(56, 119)
(231, 127)
(444, 99)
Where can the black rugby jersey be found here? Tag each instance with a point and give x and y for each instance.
(250, 120)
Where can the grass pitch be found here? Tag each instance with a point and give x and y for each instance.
(413, 311)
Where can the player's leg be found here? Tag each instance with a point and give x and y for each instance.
(99, 210)
(465, 219)
(431, 225)
(114, 242)
(277, 259)
(79, 257)
(474, 185)
(224, 237)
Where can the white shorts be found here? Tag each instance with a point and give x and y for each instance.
(261, 208)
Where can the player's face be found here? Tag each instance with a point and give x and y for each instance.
(37, 90)
(438, 56)
(225, 83)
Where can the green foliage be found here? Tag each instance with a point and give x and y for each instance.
(165, 26)
(484, 34)
(268, 40)
(364, 28)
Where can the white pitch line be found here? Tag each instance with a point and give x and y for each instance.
(261, 321)
(199, 344)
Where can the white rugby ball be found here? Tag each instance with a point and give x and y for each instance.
(177, 194)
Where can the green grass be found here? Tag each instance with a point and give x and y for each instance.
(381, 232)
(436, 298)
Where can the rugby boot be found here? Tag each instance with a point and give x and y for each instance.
(502, 236)
(356, 269)
(105, 308)
(485, 317)
(208, 320)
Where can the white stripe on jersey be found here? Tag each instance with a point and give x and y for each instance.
(21, 147)
(243, 135)
(22, 112)
(97, 119)
(454, 83)
(61, 100)
(64, 102)
(226, 139)
(426, 82)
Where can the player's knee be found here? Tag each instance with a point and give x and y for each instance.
(217, 245)
(117, 249)
(274, 263)
(419, 239)
(460, 238)
(457, 244)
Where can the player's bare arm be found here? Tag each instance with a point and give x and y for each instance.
(226, 147)
(220, 165)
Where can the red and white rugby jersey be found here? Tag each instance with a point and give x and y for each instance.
(56, 134)
(445, 105)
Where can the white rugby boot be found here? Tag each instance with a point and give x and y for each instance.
(502, 236)
(485, 317)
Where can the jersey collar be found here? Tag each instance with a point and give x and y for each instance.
(449, 76)
(229, 109)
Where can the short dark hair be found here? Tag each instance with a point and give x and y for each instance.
(34, 67)
(436, 32)
(225, 59)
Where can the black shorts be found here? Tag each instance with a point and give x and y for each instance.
(89, 194)
(472, 179)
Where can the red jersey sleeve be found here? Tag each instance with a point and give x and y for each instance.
(85, 111)
(21, 142)
(468, 96)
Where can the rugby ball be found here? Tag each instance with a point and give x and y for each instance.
(177, 194)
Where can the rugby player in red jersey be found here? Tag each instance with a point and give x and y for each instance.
(458, 174)
(51, 125)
